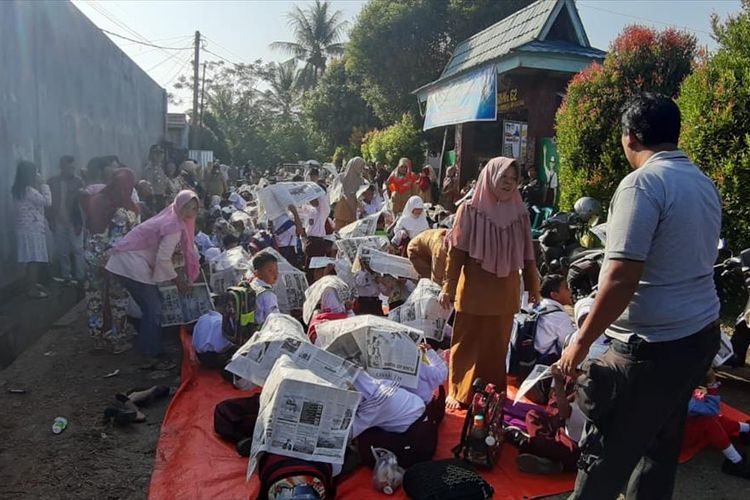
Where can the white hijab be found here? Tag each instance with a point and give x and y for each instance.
(408, 222)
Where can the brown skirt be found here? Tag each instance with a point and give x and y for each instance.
(478, 350)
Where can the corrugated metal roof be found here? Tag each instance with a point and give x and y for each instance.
(499, 39)
(561, 48)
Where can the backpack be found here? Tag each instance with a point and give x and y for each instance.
(286, 477)
(523, 357)
(238, 324)
(234, 419)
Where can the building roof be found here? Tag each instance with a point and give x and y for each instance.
(546, 26)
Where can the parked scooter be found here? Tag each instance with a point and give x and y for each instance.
(732, 278)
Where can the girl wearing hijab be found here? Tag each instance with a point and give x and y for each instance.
(489, 243)
(425, 184)
(149, 255)
(413, 221)
(346, 207)
(109, 215)
(402, 184)
(451, 189)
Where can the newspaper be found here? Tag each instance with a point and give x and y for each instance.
(725, 351)
(314, 293)
(229, 269)
(282, 335)
(385, 349)
(348, 247)
(384, 263)
(366, 226)
(321, 262)
(302, 416)
(291, 285)
(422, 311)
(274, 200)
(179, 309)
(538, 373)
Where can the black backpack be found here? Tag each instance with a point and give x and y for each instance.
(238, 324)
(523, 357)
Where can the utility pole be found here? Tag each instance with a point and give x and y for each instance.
(196, 63)
(203, 92)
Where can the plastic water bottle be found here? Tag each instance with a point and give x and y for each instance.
(59, 425)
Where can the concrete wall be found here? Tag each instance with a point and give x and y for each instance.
(65, 88)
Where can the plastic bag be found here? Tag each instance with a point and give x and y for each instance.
(387, 475)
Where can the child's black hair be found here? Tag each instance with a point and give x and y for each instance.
(263, 259)
(551, 283)
(230, 240)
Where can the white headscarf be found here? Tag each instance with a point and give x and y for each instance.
(408, 222)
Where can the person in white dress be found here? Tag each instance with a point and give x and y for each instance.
(30, 198)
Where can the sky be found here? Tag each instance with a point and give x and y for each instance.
(242, 30)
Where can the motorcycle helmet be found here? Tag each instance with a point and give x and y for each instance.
(587, 207)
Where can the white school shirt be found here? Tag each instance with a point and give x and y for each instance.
(265, 303)
(150, 265)
(289, 237)
(366, 286)
(384, 405)
(553, 328)
(207, 335)
(431, 376)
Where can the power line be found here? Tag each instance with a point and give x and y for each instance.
(169, 57)
(638, 18)
(220, 57)
(234, 54)
(148, 44)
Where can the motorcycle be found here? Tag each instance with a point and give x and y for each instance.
(732, 279)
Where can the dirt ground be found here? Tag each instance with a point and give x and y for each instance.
(62, 376)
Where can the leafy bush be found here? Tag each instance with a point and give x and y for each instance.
(588, 122)
(390, 144)
(715, 105)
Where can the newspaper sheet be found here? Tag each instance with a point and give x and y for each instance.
(302, 416)
(348, 248)
(314, 293)
(384, 263)
(179, 309)
(725, 351)
(276, 198)
(229, 269)
(422, 311)
(291, 285)
(538, 373)
(385, 349)
(321, 262)
(366, 226)
(283, 335)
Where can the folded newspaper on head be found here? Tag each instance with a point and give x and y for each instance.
(366, 226)
(422, 311)
(229, 269)
(274, 200)
(385, 349)
(291, 285)
(177, 309)
(302, 416)
(384, 263)
(283, 335)
(348, 248)
(313, 294)
(321, 262)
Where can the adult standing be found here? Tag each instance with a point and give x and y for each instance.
(402, 184)
(490, 242)
(428, 254)
(657, 302)
(150, 254)
(215, 182)
(110, 214)
(451, 188)
(345, 211)
(155, 174)
(31, 197)
(65, 220)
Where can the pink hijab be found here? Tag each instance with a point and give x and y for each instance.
(496, 233)
(168, 221)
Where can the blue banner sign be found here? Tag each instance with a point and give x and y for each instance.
(471, 98)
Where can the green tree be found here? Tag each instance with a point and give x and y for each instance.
(317, 33)
(715, 105)
(397, 46)
(391, 143)
(587, 124)
(337, 111)
(284, 94)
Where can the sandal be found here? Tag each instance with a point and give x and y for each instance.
(125, 401)
(121, 347)
(148, 396)
(120, 415)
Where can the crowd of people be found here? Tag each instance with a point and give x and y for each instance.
(644, 342)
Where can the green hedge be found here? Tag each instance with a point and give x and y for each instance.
(398, 140)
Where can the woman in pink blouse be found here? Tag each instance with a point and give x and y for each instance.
(144, 258)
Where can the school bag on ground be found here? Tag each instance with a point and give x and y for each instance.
(286, 477)
(523, 357)
(449, 479)
(239, 320)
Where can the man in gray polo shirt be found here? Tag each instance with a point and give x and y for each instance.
(658, 303)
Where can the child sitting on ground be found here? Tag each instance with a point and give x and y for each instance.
(266, 273)
(706, 426)
(551, 445)
(554, 327)
(433, 373)
(210, 343)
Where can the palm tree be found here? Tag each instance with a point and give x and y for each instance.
(317, 32)
(284, 90)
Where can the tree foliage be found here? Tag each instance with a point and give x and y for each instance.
(587, 124)
(317, 33)
(390, 144)
(397, 46)
(715, 105)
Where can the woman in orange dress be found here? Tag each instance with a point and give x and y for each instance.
(402, 185)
